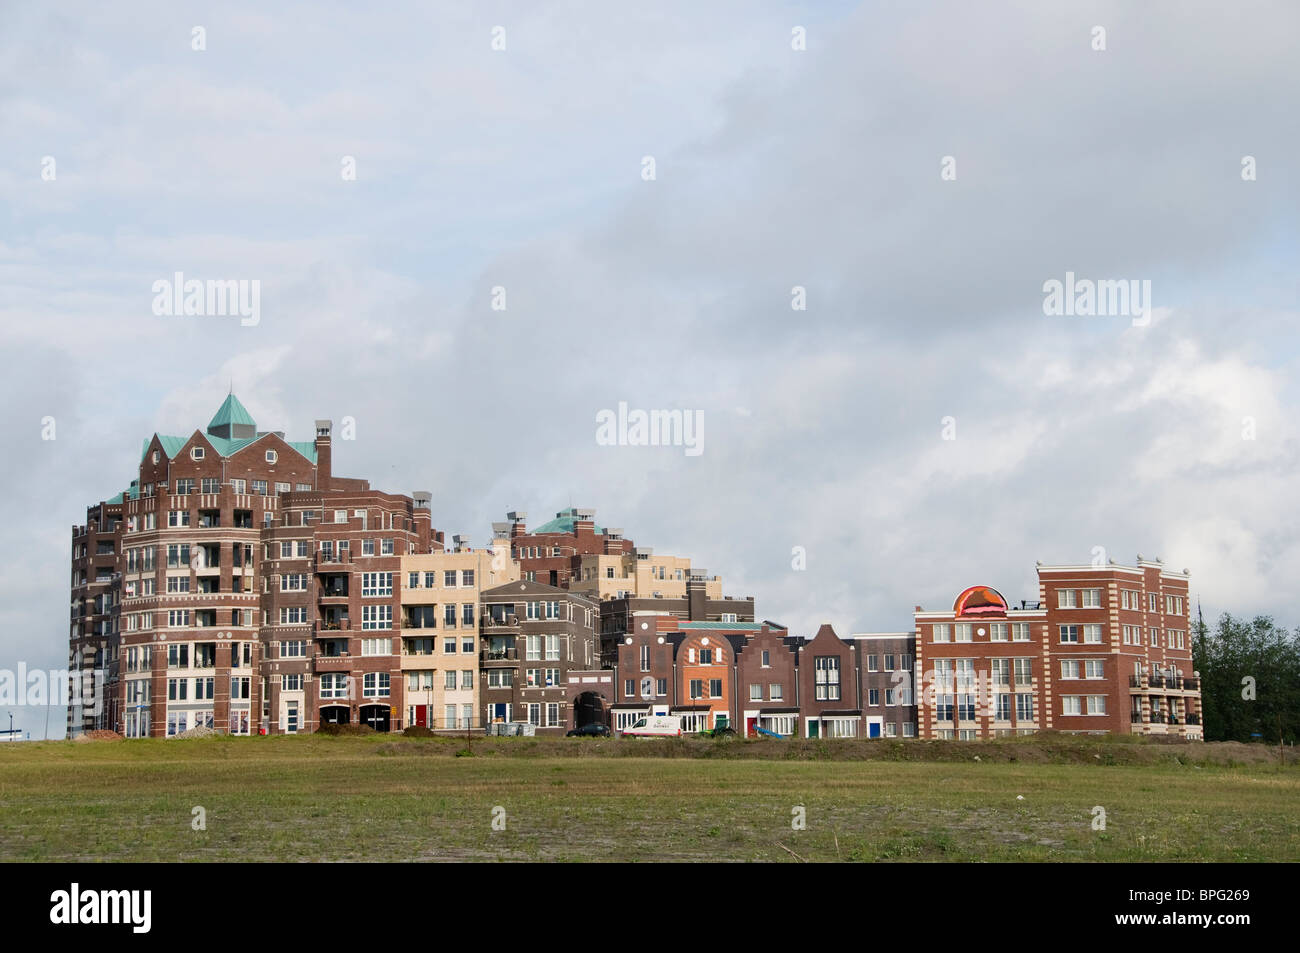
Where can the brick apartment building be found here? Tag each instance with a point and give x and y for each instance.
(552, 553)
(238, 584)
(1104, 649)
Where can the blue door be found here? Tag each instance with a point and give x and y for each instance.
(873, 730)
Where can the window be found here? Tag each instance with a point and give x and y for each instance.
(449, 578)
(715, 688)
(775, 692)
(196, 453)
(293, 649)
(286, 549)
(1096, 704)
(367, 547)
(645, 658)
(429, 580)
(661, 687)
(240, 688)
(1070, 633)
(333, 685)
(942, 633)
(293, 582)
(998, 632)
(376, 617)
(1024, 707)
(756, 693)
(178, 518)
(1153, 602)
(1069, 669)
(467, 678)
(697, 688)
(376, 646)
(1024, 669)
(259, 488)
(552, 648)
(238, 486)
(1000, 671)
(767, 659)
(375, 584)
(827, 677)
(386, 547)
(375, 684)
(177, 689)
(413, 580)
(552, 714)
(1020, 632)
(282, 488)
(467, 613)
(184, 486)
(1002, 708)
(873, 697)
(178, 617)
(271, 456)
(467, 577)
(449, 680)
(293, 615)
(1091, 598)
(1092, 634)
(963, 630)
(1067, 598)
(291, 683)
(449, 716)
(706, 656)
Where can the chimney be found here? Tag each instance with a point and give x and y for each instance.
(518, 518)
(696, 601)
(324, 456)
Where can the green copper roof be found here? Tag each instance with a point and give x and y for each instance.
(563, 523)
(725, 626)
(232, 412)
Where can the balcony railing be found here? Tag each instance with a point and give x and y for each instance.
(1193, 719)
(334, 625)
(1136, 718)
(499, 655)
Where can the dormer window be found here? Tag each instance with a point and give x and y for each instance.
(196, 453)
(155, 456)
(271, 456)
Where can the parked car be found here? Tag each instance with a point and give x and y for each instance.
(593, 730)
(655, 726)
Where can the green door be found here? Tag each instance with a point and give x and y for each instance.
(813, 726)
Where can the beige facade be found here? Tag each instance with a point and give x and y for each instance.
(639, 574)
(440, 625)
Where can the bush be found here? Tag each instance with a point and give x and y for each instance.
(345, 730)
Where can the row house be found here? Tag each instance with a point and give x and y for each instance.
(760, 680)
(1104, 649)
(540, 659)
(441, 602)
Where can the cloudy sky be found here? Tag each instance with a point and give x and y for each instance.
(127, 155)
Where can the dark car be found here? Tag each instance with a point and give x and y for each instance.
(594, 730)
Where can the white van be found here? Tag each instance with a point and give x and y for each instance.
(655, 726)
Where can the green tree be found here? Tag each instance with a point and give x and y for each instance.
(1238, 659)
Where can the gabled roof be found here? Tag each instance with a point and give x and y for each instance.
(231, 411)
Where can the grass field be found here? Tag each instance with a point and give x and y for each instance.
(385, 798)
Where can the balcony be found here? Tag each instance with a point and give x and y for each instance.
(1192, 685)
(324, 627)
(329, 558)
(1136, 718)
(334, 591)
(1193, 719)
(489, 656)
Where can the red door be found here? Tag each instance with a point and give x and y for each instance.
(749, 727)
(420, 712)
